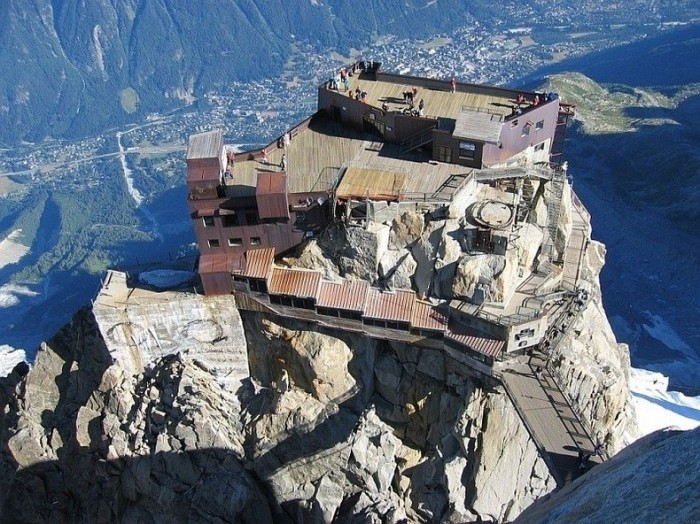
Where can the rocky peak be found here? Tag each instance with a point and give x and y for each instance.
(183, 407)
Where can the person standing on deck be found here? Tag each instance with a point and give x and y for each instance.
(283, 162)
(453, 85)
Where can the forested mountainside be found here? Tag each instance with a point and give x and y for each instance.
(78, 67)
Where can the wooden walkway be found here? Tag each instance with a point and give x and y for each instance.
(578, 241)
(555, 428)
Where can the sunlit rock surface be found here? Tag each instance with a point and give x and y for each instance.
(653, 480)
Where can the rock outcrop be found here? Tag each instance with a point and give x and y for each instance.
(653, 480)
(411, 435)
(594, 369)
(181, 408)
(84, 440)
(333, 426)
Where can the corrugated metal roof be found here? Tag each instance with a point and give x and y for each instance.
(426, 316)
(205, 145)
(271, 195)
(258, 262)
(271, 182)
(302, 283)
(199, 173)
(218, 263)
(475, 340)
(389, 305)
(478, 125)
(348, 295)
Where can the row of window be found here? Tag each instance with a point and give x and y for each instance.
(468, 149)
(528, 125)
(251, 219)
(234, 242)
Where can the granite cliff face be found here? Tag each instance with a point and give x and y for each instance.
(178, 407)
(653, 480)
(331, 427)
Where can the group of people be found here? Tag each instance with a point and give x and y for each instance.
(410, 96)
(412, 110)
(537, 99)
(358, 95)
(342, 78)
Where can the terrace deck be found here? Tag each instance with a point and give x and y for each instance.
(439, 103)
(315, 155)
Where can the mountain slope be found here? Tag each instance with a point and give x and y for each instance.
(84, 66)
(653, 480)
(635, 164)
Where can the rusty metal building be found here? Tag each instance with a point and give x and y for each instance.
(280, 195)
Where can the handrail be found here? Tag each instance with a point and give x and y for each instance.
(487, 110)
(426, 197)
(417, 137)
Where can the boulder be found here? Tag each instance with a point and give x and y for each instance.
(405, 230)
(397, 268)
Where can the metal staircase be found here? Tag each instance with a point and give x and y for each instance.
(421, 138)
(556, 192)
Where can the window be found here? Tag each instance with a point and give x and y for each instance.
(526, 129)
(255, 241)
(234, 242)
(213, 242)
(539, 147)
(539, 125)
(208, 221)
(230, 220)
(467, 150)
(514, 123)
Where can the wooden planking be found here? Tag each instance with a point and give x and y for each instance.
(437, 103)
(315, 155)
(313, 159)
(205, 145)
(421, 176)
(374, 184)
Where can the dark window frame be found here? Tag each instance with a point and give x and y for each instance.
(467, 149)
(230, 220)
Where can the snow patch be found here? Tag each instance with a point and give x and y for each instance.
(9, 358)
(10, 294)
(128, 177)
(664, 333)
(658, 408)
(10, 251)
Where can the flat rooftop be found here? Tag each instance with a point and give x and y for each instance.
(439, 101)
(316, 155)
